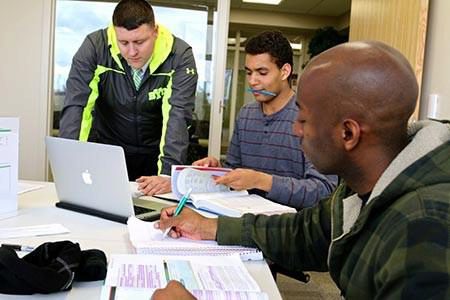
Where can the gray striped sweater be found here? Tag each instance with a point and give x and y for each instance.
(267, 143)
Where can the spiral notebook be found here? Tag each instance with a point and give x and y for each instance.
(148, 240)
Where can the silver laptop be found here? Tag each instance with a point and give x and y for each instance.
(92, 178)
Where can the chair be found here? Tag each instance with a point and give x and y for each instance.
(275, 269)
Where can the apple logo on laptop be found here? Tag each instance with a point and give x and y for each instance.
(87, 179)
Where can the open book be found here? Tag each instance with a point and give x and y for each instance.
(219, 199)
(148, 240)
(138, 276)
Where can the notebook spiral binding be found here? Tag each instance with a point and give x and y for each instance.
(244, 252)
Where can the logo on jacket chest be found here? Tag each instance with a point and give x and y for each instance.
(190, 71)
(157, 94)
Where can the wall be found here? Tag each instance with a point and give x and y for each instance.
(400, 23)
(25, 77)
(267, 18)
(437, 60)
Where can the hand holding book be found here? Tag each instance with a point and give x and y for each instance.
(245, 179)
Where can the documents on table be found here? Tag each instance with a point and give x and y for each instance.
(137, 276)
(9, 160)
(148, 240)
(37, 230)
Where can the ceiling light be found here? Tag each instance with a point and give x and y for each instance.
(296, 46)
(270, 2)
(232, 41)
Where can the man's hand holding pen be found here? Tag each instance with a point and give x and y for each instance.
(188, 224)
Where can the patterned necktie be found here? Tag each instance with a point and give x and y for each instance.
(137, 77)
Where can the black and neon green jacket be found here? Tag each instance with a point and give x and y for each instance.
(102, 103)
(396, 246)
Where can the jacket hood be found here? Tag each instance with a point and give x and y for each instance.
(424, 161)
(426, 151)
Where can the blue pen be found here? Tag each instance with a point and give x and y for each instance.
(18, 247)
(180, 206)
(262, 92)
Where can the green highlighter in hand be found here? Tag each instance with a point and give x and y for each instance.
(180, 206)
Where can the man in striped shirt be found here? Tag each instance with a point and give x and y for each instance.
(264, 152)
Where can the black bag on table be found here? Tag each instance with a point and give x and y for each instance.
(51, 267)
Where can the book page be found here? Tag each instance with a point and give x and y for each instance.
(236, 206)
(200, 179)
(200, 182)
(137, 276)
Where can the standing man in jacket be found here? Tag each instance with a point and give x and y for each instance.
(133, 85)
(384, 233)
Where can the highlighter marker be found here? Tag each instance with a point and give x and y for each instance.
(262, 92)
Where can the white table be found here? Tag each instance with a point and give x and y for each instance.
(37, 208)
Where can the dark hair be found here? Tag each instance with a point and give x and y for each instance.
(273, 43)
(133, 13)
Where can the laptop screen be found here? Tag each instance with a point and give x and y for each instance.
(91, 176)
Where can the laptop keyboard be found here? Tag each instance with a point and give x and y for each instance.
(138, 210)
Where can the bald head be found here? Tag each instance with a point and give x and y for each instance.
(369, 82)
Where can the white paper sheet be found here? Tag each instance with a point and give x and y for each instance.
(25, 187)
(37, 230)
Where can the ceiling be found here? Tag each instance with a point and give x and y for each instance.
(310, 8)
(319, 8)
(330, 8)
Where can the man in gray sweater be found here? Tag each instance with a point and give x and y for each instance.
(264, 152)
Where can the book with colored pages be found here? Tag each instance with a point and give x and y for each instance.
(220, 199)
(133, 276)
